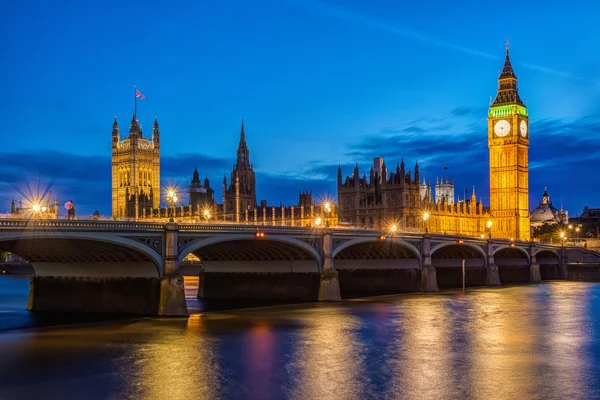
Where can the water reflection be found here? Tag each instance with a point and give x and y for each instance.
(565, 339)
(171, 362)
(503, 353)
(327, 360)
(530, 342)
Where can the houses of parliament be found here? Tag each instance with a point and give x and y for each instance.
(398, 196)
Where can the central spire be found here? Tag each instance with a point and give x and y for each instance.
(243, 154)
(507, 69)
(134, 128)
(508, 93)
(242, 133)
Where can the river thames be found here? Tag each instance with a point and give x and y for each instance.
(527, 342)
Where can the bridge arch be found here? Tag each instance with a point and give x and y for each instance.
(248, 248)
(446, 258)
(393, 243)
(522, 251)
(546, 253)
(84, 254)
(513, 264)
(466, 250)
(370, 266)
(549, 261)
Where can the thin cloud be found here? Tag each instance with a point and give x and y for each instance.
(366, 20)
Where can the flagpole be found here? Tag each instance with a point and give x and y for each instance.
(134, 102)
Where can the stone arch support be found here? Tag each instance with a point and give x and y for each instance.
(477, 249)
(515, 248)
(395, 241)
(107, 254)
(300, 245)
(536, 251)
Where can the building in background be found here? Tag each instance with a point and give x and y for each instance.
(508, 143)
(444, 191)
(546, 214)
(240, 196)
(202, 197)
(135, 171)
(371, 202)
(400, 199)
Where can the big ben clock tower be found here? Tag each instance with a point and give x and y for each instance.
(508, 141)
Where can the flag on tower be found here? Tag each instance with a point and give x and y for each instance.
(139, 95)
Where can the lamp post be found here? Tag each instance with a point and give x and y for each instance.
(36, 210)
(489, 228)
(577, 234)
(425, 218)
(171, 200)
(318, 221)
(206, 215)
(327, 208)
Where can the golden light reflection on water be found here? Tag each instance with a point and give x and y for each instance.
(423, 350)
(502, 336)
(565, 336)
(175, 364)
(327, 359)
(531, 342)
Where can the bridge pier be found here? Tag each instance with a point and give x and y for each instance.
(534, 270)
(200, 293)
(172, 292)
(428, 275)
(492, 276)
(329, 285)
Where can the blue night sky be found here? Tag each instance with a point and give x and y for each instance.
(319, 83)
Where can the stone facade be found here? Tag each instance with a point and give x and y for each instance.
(135, 171)
(240, 196)
(374, 202)
(508, 142)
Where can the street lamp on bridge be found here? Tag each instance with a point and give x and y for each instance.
(425, 219)
(206, 214)
(489, 228)
(327, 207)
(171, 201)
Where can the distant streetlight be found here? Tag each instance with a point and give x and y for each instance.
(425, 218)
(171, 201)
(489, 227)
(327, 207)
(318, 221)
(206, 214)
(393, 228)
(37, 208)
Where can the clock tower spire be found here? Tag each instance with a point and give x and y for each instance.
(508, 143)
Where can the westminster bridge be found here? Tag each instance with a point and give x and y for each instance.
(134, 267)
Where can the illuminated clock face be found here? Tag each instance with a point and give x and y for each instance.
(523, 128)
(502, 128)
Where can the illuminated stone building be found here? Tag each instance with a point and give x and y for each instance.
(399, 199)
(240, 197)
(466, 217)
(508, 142)
(546, 214)
(444, 191)
(371, 202)
(202, 196)
(135, 171)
